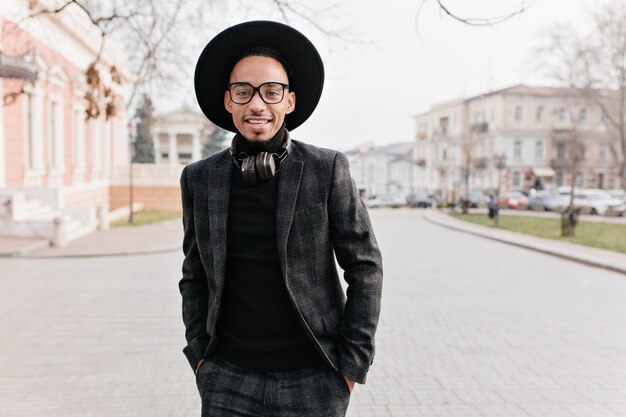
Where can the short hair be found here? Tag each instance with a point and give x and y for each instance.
(268, 52)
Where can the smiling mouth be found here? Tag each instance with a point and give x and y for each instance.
(257, 123)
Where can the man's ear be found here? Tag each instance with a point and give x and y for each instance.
(228, 104)
(291, 101)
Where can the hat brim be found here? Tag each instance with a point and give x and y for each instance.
(222, 53)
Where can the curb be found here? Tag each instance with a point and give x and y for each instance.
(100, 254)
(25, 250)
(554, 251)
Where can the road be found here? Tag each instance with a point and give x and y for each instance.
(469, 327)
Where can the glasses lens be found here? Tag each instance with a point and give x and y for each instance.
(241, 93)
(271, 92)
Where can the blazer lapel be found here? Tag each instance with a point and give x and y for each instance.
(288, 186)
(218, 191)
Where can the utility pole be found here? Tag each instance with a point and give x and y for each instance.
(131, 153)
(500, 164)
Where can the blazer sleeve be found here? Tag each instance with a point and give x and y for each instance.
(358, 255)
(193, 285)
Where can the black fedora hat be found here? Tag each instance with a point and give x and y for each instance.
(306, 78)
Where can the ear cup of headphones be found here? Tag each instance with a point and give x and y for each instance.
(248, 170)
(265, 166)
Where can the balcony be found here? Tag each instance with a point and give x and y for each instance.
(480, 162)
(11, 67)
(480, 127)
(560, 163)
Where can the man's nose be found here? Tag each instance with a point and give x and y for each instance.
(257, 104)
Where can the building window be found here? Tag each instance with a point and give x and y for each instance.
(79, 139)
(602, 152)
(583, 116)
(519, 113)
(581, 150)
(443, 124)
(516, 179)
(562, 114)
(55, 136)
(517, 149)
(560, 150)
(601, 181)
(559, 179)
(539, 149)
(604, 116)
(540, 113)
(445, 154)
(579, 179)
(96, 151)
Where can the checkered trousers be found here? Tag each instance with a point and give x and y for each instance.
(229, 391)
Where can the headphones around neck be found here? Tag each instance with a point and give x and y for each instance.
(262, 166)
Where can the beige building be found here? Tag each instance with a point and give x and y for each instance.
(179, 136)
(533, 130)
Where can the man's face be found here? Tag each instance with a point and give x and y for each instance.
(258, 121)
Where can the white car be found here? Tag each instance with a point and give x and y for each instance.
(393, 200)
(598, 202)
(619, 194)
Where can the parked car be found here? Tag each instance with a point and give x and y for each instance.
(393, 200)
(421, 200)
(513, 200)
(598, 202)
(619, 194)
(476, 198)
(544, 201)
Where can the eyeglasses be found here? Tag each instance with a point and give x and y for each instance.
(270, 92)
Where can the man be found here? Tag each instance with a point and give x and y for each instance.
(269, 329)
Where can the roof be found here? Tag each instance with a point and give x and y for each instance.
(397, 151)
(537, 91)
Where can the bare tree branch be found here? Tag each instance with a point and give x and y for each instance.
(484, 21)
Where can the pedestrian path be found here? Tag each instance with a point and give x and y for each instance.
(614, 261)
(151, 238)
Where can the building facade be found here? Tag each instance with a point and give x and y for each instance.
(521, 137)
(383, 169)
(55, 162)
(179, 136)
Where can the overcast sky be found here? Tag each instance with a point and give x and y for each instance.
(405, 61)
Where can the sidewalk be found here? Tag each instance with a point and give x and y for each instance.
(152, 238)
(614, 261)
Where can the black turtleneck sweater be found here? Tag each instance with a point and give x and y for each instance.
(258, 328)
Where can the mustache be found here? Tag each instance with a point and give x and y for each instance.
(253, 114)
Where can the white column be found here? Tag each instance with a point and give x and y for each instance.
(156, 141)
(195, 147)
(37, 126)
(173, 151)
(107, 146)
(3, 150)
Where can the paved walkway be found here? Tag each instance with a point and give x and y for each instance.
(151, 238)
(470, 327)
(167, 236)
(614, 261)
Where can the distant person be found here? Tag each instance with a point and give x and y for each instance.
(269, 329)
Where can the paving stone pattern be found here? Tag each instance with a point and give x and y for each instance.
(470, 327)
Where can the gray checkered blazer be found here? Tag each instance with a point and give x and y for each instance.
(319, 217)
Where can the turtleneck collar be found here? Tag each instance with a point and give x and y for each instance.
(273, 145)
